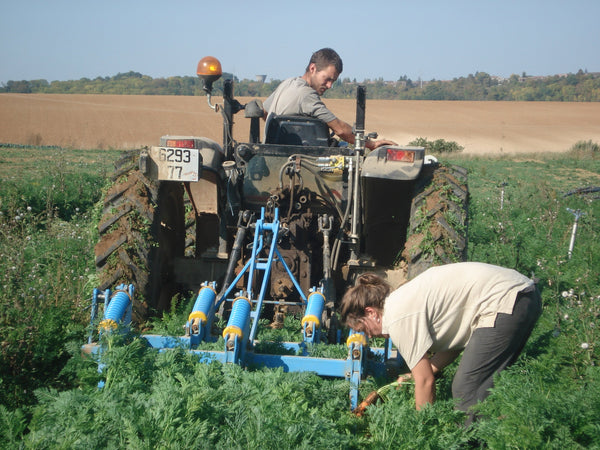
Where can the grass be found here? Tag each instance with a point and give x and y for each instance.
(48, 393)
(47, 235)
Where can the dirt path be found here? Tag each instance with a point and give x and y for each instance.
(129, 121)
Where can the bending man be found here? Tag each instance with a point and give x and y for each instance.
(486, 312)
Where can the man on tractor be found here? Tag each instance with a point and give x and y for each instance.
(302, 95)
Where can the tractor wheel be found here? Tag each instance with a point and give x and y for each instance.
(142, 231)
(437, 231)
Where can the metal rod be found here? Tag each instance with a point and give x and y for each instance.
(229, 111)
(359, 147)
(361, 95)
(502, 186)
(577, 213)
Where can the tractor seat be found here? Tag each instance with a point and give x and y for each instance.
(296, 130)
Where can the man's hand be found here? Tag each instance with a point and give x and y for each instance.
(372, 145)
(404, 378)
(344, 131)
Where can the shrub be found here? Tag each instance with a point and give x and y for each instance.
(585, 148)
(46, 239)
(438, 146)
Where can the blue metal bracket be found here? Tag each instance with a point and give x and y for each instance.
(242, 327)
(265, 234)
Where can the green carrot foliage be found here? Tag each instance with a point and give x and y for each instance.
(520, 216)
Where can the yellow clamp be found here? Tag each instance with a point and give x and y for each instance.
(108, 325)
(198, 315)
(311, 318)
(356, 338)
(232, 329)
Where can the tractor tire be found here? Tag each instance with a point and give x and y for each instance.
(142, 231)
(437, 230)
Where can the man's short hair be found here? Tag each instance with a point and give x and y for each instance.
(324, 58)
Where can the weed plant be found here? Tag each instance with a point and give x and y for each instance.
(437, 147)
(518, 218)
(46, 236)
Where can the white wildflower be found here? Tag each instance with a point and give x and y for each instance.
(585, 345)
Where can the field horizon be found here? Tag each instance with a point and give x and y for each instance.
(131, 121)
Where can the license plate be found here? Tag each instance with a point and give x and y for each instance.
(176, 164)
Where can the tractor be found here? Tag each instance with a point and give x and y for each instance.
(275, 226)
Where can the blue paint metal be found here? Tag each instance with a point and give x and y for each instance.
(201, 318)
(119, 305)
(240, 333)
(311, 322)
(117, 311)
(300, 361)
(236, 331)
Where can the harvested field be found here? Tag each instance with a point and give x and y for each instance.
(128, 121)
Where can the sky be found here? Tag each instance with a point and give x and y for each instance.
(72, 39)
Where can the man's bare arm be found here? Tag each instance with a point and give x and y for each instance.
(424, 379)
(344, 131)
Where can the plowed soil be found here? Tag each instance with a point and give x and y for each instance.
(128, 121)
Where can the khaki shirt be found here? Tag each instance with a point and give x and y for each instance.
(439, 309)
(295, 96)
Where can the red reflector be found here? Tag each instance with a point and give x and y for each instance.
(180, 143)
(394, 154)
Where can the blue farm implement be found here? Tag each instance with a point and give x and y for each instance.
(269, 229)
(240, 333)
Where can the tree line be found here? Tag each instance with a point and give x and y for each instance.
(573, 87)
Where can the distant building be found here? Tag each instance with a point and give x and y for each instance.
(261, 78)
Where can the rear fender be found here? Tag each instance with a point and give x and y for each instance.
(394, 163)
